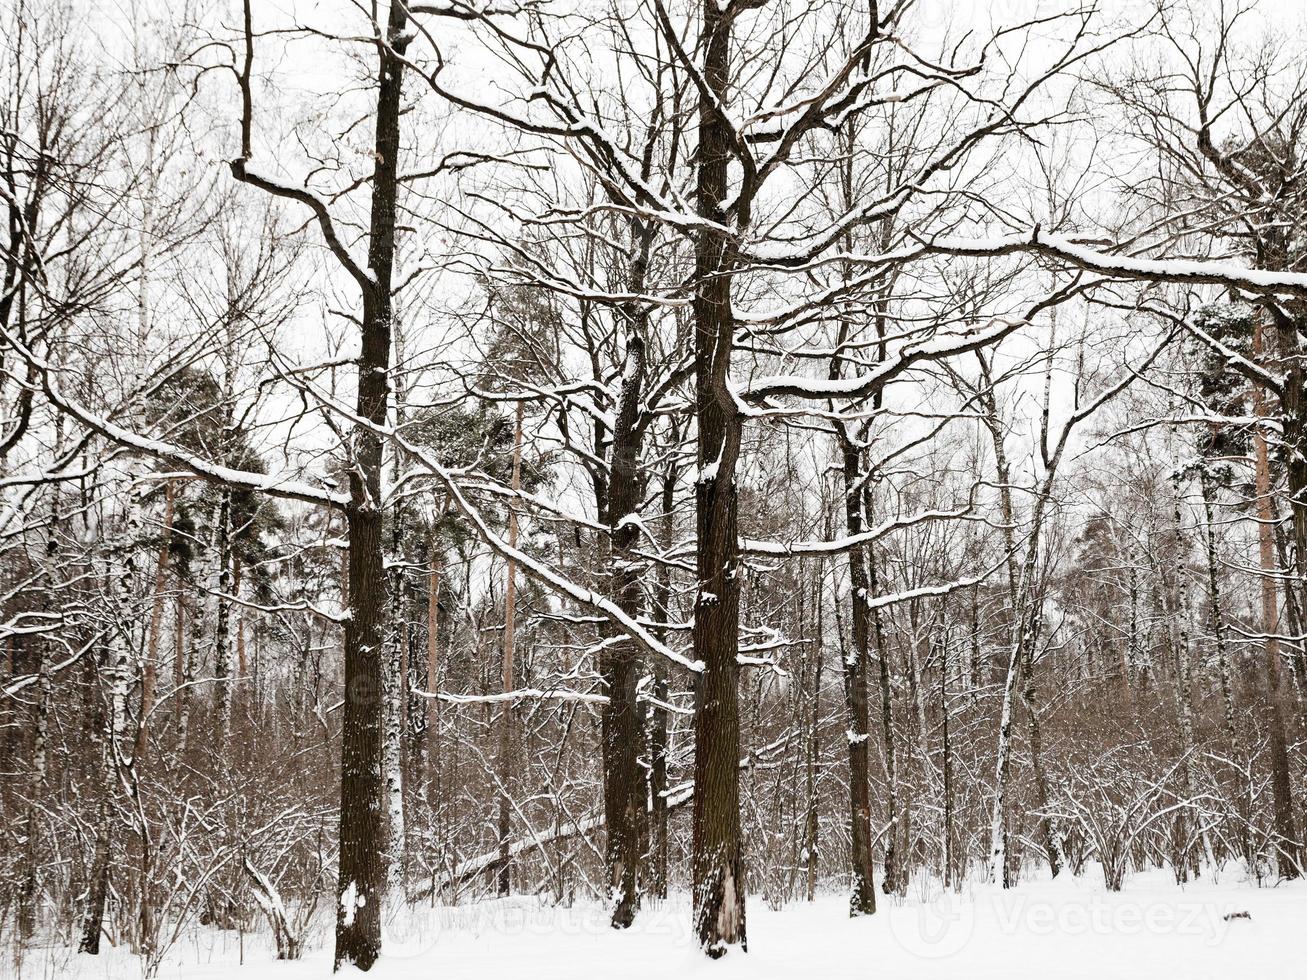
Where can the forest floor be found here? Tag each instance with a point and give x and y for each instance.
(1071, 927)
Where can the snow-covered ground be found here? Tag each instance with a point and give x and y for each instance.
(1042, 929)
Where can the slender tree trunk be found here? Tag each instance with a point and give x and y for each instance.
(181, 671)
(1217, 617)
(862, 894)
(658, 734)
(1286, 844)
(431, 706)
(1292, 613)
(813, 824)
(149, 670)
(893, 860)
(506, 663)
(1131, 653)
(396, 690)
(947, 761)
(1029, 700)
(27, 898)
(115, 670)
(222, 694)
(242, 666)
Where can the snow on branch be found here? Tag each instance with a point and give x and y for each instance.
(861, 385)
(849, 542)
(272, 484)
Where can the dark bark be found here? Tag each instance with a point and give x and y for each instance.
(862, 895)
(1029, 699)
(893, 870)
(658, 746)
(222, 623)
(363, 865)
(619, 664)
(98, 890)
(1273, 688)
(717, 860)
(506, 719)
(363, 846)
(947, 762)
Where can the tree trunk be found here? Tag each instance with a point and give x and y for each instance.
(396, 690)
(150, 669)
(27, 899)
(813, 824)
(431, 706)
(947, 762)
(619, 665)
(222, 693)
(1217, 617)
(717, 860)
(98, 890)
(118, 586)
(363, 844)
(1029, 699)
(1286, 843)
(862, 893)
(506, 652)
(658, 745)
(181, 672)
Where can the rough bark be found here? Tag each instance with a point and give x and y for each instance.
(658, 736)
(717, 860)
(363, 865)
(1273, 688)
(506, 665)
(862, 891)
(893, 864)
(619, 663)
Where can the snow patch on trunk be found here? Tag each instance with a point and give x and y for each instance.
(350, 902)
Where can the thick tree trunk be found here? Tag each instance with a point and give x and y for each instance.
(717, 860)
(619, 664)
(363, 843)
